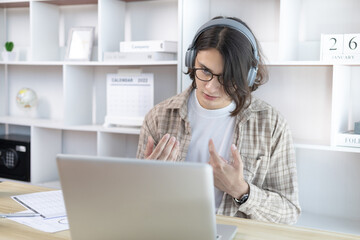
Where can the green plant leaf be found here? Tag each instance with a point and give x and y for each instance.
(9, 46)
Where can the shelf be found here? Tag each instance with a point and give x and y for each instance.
(165, 63)
(328, 148)
(32, 63)
(53, 124)
(298, 63)
(100, 128)
(125, 63)
(311, 63)
(72, 2)
(92, 63)
(81, 2)
(14, 4)
(24, 121)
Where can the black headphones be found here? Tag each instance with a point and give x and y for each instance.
(225, 22)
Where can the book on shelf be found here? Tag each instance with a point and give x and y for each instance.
(149, 46)
(348, 139)
(129, 96)
(138, 56)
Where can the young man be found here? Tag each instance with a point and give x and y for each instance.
(217, 121)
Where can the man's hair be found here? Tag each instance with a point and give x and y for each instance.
(238, 56)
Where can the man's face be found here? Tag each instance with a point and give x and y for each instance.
(211, 95)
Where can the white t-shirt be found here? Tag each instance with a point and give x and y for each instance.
(206, 124)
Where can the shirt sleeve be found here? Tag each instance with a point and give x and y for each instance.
(148, 128)
(277, 200)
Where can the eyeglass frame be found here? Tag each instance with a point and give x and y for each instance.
(212, 75)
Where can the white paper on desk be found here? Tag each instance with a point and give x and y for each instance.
(49, 204)
(49, 225)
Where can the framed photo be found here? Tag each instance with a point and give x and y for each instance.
(80, 43)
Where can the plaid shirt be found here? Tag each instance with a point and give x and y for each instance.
(266, 148)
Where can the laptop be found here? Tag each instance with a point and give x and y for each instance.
(125, 198)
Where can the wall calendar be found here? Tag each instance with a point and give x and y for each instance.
(340, 47)
(128, 98)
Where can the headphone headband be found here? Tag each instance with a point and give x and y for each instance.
(227, 22)
(230, 23)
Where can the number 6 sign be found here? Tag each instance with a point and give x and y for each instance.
(351, 43)
(340, 47)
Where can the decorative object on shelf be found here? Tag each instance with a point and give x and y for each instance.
(348, 139)
(26, 99)
(8, 54)
(357, 127)
(129, 96)
(80, 44)
(340, 47)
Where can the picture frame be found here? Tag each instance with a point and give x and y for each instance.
(80, 44)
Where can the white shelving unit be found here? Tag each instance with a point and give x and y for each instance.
(319, 99)
(72, 95)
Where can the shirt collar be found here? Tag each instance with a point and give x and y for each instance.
(180, 102)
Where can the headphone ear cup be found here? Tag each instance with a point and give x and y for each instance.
(189, 58)
(251, 76)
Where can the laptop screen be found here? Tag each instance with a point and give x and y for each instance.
(124, 198)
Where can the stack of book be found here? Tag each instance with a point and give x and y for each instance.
(152, 50)
(348, 139)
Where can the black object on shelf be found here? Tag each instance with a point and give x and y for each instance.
(15, 157)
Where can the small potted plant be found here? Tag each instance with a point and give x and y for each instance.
(8, 54)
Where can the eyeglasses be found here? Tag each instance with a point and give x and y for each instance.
(205, 75)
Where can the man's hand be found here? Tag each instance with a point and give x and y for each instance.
(167, 148)
(228, 177)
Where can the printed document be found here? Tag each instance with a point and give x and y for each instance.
(50, 205)
(49, 225)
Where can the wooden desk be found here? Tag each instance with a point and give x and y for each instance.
(247, 229)
(10, 230)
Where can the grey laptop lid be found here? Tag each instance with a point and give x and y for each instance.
(118, 198)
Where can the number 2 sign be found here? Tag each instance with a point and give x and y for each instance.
(340, 47)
